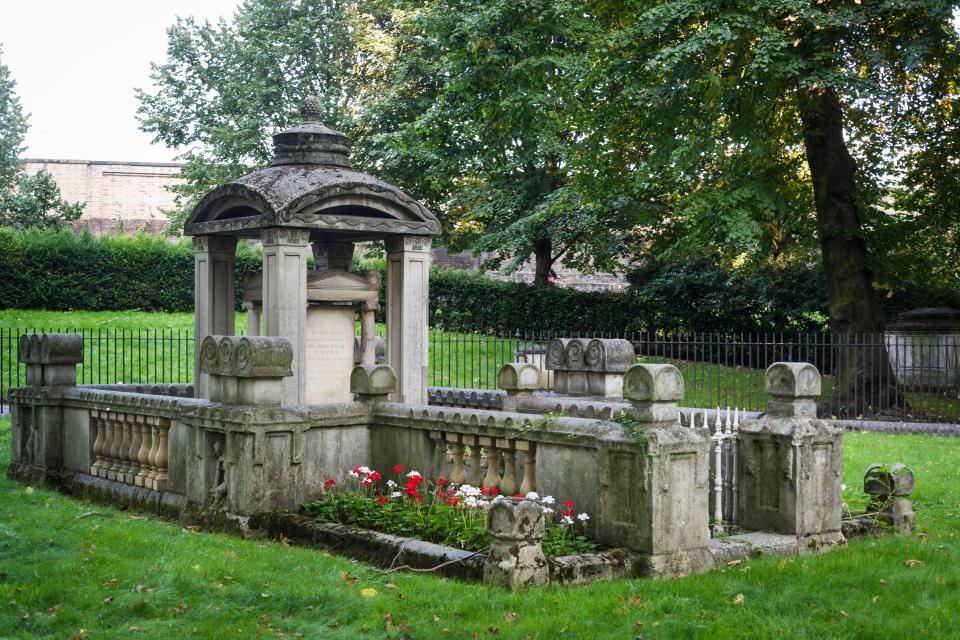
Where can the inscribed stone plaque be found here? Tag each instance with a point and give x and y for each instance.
(329, 353)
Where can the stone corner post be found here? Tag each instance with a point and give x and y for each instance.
(654, 496)
(889, 488)
(285, 253)
(790, 467)
(372, 383)
(408, 288)
(36, 421)
(214, 259)
(516, 559)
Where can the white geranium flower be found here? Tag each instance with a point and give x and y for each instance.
(547, 510)
(396, 494)
(533, 495)
(413, 474)
(566, 520)
(583, 517)
(547, 500)
(483, 503)
(391, 484)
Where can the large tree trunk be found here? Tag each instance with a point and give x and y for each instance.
(865, 382)
(543, 260)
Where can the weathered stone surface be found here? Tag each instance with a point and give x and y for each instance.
(888, 480)
(246, 356)
(609, 355)
(51, 348)
(588, 367)
(789, 476)
(516, 558)
(519, 376)
(795, 389)
(372, 380)
(653, 383)
(585, 568)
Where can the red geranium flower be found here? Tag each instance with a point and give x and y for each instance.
(398, 468)
(382, 499)
(442, 494)
(419, 499)
(518, 495)
(493, 491)
(568, 503)
(453, 501)
(374, 476)
(412, 492)
(567, 512)
(441, 482)
(367, 483)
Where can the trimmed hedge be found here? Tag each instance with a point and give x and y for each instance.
(61, 271)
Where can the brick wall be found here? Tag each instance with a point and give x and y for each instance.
(121, 197)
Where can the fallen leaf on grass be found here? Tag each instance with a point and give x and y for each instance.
(79, 635)
(389, 585)
(875, 599)
(909, 564)
(739, 599)
(111, 582)
(634, 601)
(264, 595)
(435, 618)
(783, 564)
(348, 577)
(388, 622)
(940, 580)
(510, 616)
(368, 592)
(108, 600)
(493, 631)
(844, 613)
(734, 563)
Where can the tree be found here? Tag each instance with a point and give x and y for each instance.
(25, 200)
(479, 124)
(735, 106)
(13, 129)
(226, 87)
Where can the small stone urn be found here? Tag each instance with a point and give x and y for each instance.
(516, 558)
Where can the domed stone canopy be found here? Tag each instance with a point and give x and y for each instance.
(310, 185)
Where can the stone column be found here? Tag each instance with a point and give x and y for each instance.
(516, 558)
(519, 380)
(214, 259)
(285, 254)
(253, 318)
(408, 288)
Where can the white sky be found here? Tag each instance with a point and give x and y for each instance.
(76, 64)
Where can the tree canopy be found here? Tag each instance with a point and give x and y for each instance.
(25, 200)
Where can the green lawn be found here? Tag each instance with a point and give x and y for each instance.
(75, 569)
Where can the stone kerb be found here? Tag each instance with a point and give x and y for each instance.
(372, 382)
(51, 358)
(516, 559)
(795, 389)
(654, 391)
(519, 380)
(585, 367)
(889, 487)
(246, 370)
(790, 465)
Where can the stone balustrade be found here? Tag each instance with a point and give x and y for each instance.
(130, 448)
(506, 464)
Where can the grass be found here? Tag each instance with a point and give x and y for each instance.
(74, 569)
(132, 346)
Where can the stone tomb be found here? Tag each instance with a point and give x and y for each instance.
(329, 335)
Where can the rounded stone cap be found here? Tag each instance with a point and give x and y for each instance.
(893, 480)
(609, 355)
(519, 376)
(557, 353)
(50, 348)
(310, 142)
(928, 319)
(372, 380)
(653, 383)
(792, 380)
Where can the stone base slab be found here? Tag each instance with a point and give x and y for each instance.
(752, 545)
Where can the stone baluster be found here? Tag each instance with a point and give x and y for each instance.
(492, 479)
(143, 454)
(98, 442)
(734, 454)
(116, 437)
(151, 479)
(718, 469)
(458, 474)
(476, 474)
(508, 484)
(529, 452)
(136, 441)
(126, 424)
(161, 482)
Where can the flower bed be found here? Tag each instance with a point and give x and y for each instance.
(437, 510)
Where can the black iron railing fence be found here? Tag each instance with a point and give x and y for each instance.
(865, 376)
